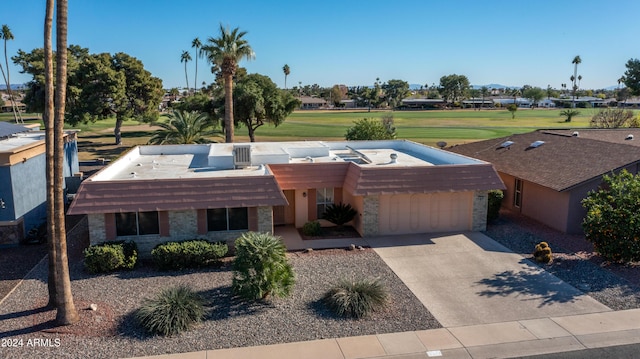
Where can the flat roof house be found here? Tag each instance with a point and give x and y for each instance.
(22, 179)
(216, 191)
(548, 173)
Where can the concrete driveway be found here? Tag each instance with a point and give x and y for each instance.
(469, 279)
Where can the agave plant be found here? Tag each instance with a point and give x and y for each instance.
(339, 214)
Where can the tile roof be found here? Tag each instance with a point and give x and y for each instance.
(562, 162)
(176, 194)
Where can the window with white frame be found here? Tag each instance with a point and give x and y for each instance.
(324, 198)
(137, 223)
(227, 219)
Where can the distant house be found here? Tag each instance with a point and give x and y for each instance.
(312, 103)
(218, 191)
(477, 103)
(22, 179)
(422, 103)
(548, 173)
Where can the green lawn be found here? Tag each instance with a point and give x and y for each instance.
(428, 127)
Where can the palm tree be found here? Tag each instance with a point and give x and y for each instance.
(6, 34)
(185, 57)
(184, 128)
(286, 71)
(197, 44)
(66, 310)
(225, 52)
(576, 61)
(484, 91)
(47, 117)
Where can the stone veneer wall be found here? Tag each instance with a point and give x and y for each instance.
(97, 233)
(479, 216)
(370, 216)
(265, 219)
(12, 233)
(183, 225)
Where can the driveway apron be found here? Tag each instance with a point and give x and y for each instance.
(469, 279)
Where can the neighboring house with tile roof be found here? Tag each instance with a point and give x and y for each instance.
(548, 173)
(217, 191)
(22, 179)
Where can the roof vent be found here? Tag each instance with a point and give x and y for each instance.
(629, 137)
(394, 158)
(506, 144)
(536, 144)
(575, 134)
(309, 158)
(241, 156)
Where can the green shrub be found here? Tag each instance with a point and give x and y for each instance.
(494, 203)
(356, 299)
(261, 268)
(173, 311)
(311, 228)
(188, 254)
(612, 222)
(339, 214)
(110, 256)
(542, 253)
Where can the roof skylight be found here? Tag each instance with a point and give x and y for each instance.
(506, 144)
(536, 144)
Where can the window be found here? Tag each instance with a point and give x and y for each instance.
(517, 194)
(324, 198)
(137, 223)
(227, 219)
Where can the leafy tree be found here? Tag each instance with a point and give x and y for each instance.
(612, 222)
(534, 93)
(199, 102)
(259, 101)
(612, 118)
(512, 107)
(395, 91)
(185, 57)
(453, 87)
(569, 114)
(184, 128)
(631, 77)
(336, 95)
(286, 71)
(197, 44)
(225, 52)
(370, 129)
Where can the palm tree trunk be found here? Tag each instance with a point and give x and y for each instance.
(66, 310)
(186, 77)
(48, 124)
(195, 79)
(8, 80)
(228, 107)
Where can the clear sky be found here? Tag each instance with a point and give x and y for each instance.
(353, 42)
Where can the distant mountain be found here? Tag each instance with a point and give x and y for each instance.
(13, 87)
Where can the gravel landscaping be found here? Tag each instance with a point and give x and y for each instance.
(111, 332)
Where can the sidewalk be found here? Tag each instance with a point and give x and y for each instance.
(497, 340)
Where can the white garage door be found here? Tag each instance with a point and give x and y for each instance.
(425, 213)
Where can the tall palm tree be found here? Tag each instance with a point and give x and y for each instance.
(66, 310)
(6, 35)
(576, 61)
(184, 128)
(225, 52)
(198, 45)
(185, 57)
(47, 117)
(286, 71)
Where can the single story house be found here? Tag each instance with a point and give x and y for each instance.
(548, 173)
(312, 103)
(22, 179)
(217, 191)
(422, 103)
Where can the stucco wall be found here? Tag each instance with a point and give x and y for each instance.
(28, 185)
